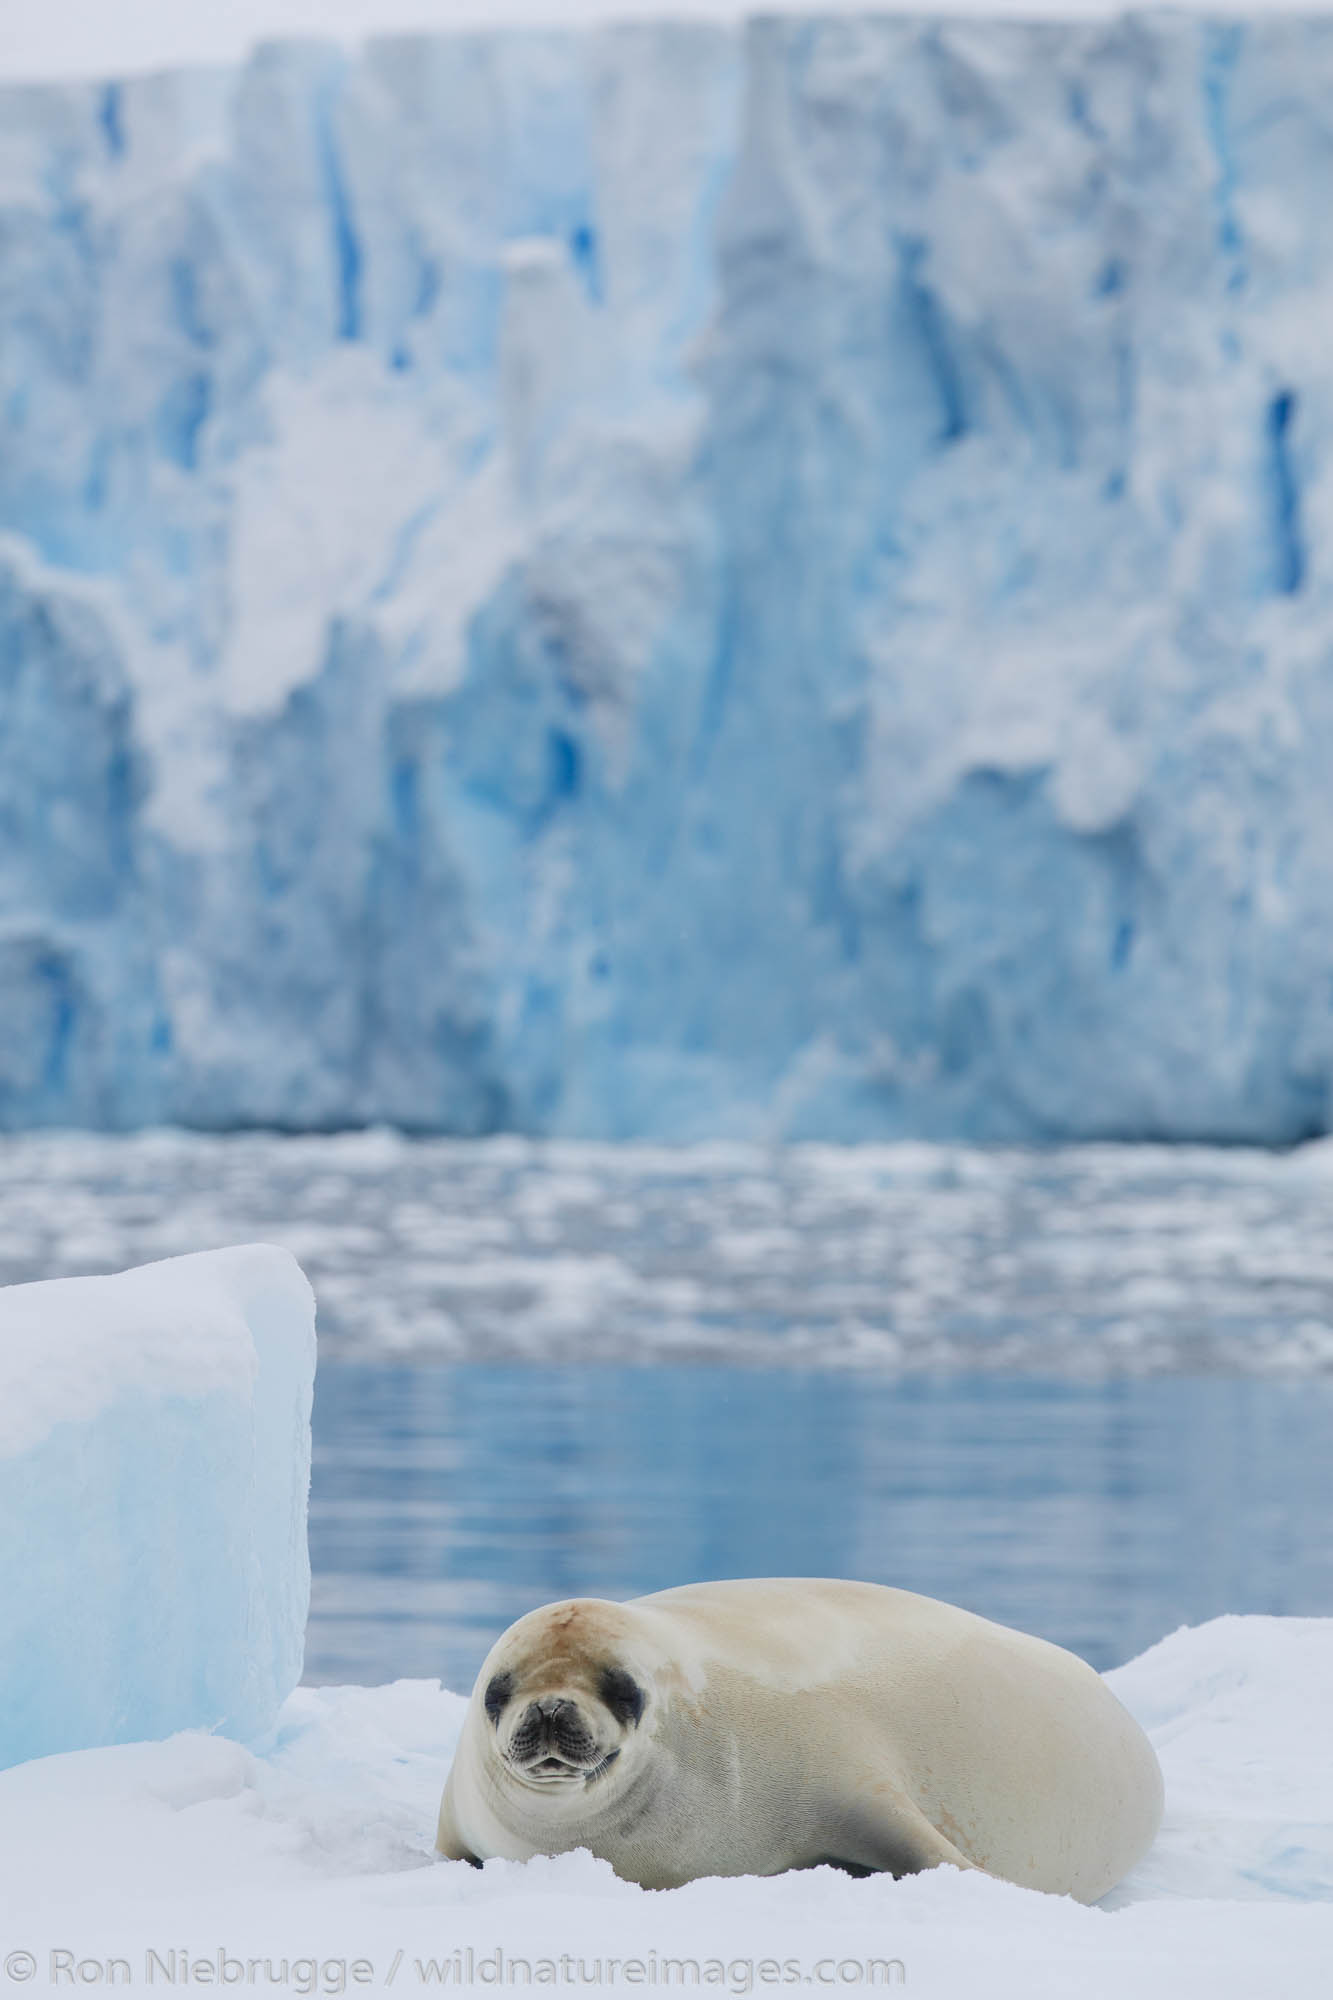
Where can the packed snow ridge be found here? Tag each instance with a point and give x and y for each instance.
(676, 581)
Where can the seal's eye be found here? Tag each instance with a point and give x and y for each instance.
(498, 1690)
(621, 1693)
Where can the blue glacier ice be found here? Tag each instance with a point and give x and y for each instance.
(674, 580)
(154, 1472)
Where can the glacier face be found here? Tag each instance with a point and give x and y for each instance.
(674, 581)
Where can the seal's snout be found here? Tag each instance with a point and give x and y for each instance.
(552, 1739)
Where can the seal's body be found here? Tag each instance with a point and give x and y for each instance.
(745, 1728)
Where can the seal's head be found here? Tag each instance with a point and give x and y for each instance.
(562, 1700)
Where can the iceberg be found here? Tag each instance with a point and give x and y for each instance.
(681, 581)
(154, 1472)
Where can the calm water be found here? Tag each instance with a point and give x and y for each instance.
(1088, 1390)
(447, 1500)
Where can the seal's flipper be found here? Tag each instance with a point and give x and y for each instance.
(901, 1841)
(448, 1841)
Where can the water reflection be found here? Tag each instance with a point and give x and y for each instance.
(449, 1499)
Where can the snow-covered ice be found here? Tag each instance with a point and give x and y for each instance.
(313, 1847)
(800, 551)
(154, 1473)
(78, 38)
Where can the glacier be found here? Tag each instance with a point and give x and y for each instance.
(747, 581)
(154, 1474)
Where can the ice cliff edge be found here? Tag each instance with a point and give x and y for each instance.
(674, 581)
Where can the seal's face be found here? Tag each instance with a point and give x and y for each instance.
(562, 1708)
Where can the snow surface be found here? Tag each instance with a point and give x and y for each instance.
(85, 38)
(154, 1472)
(314, 1846)
(681, 580)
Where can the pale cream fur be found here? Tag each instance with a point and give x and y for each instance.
(793, 1721)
